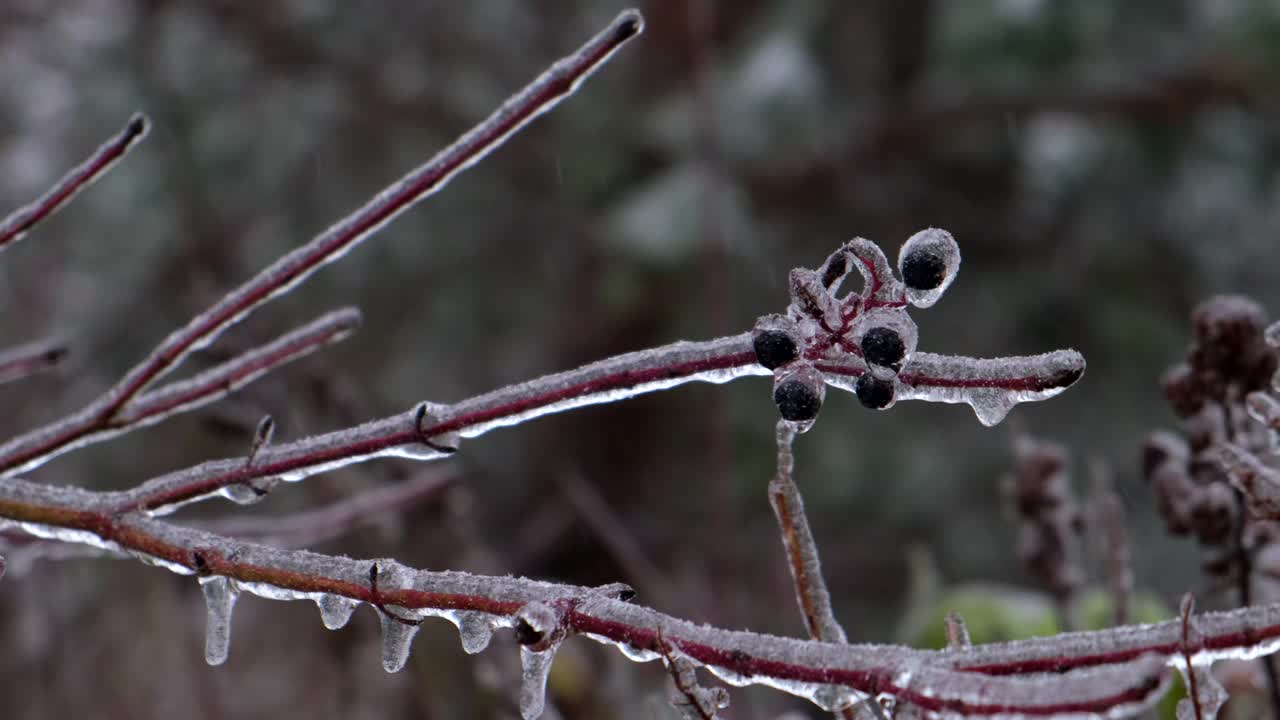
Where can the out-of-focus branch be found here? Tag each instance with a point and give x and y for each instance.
(545, 92)
(34, 357)
(87, 426)
(22, 220)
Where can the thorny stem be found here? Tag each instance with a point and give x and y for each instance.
(22, 220)
(540, 96)
(26, 360)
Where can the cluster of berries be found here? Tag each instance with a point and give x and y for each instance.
(871, 326)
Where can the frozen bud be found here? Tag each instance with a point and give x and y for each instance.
(928, 262)
(538, 626)
(776, 340)
(798, 393)
(874, 390)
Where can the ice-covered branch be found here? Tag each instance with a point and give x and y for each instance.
(35, 357)
(545, 92)
(88, 426)
(432, 431)
(929, 680)
(20, 221)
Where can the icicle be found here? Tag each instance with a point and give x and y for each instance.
(335, 610)
(398, 626)
(396, 639)
(535, 667)
(476, 629)
(220, 596)
(1209, 695)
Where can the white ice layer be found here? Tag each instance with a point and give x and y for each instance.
(976, 381)
(535, 667)
(574, 384)
(220, 596)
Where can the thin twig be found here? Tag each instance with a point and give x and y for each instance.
(540, 96)
(34, 357)
(802, 552)
(85, 427)
(21, 221)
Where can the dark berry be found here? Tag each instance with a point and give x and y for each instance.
(923, 270)
(836, 268)
(883, 346)
(797, 401)
(874, 392)
(774, 348)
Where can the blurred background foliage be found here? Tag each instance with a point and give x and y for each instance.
(1104, 167)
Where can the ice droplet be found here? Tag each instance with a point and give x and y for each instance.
(335, 610)
(396, 639)
(475, 628)
(242, 494)
(535, 668)
(220, 595)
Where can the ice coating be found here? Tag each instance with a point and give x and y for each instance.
(335, 610)
(991, 386)
(535, 667)
(220, 596)
(624, 376)
(927, 246)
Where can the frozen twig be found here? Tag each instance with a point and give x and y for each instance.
(797, 540)
(87, 426)
(544, 93)
(928, 679)
(35, 357)
(20, 222)
(802, 557)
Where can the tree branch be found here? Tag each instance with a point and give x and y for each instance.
(14, 227)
